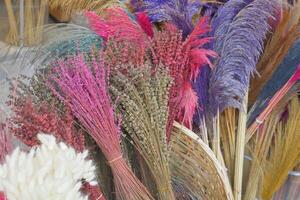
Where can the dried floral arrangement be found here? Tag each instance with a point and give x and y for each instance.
(176, 99)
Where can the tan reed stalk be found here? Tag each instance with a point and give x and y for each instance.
(40, 20)
(285, 153)
(240, 147)
(194, 164)
(143, 100)
(12, 36)
(284, 36)
(204, 133)
(228, 133)
(216, 136)
(29, 22)
(260, 149)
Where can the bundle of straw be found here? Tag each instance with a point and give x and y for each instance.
(86, 91)
(143, 100)
(285, 153)
(260, 149)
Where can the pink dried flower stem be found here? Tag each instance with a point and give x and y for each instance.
(2, 196)
(86, 88)
(273, 102)
(93, 191)
(6, 145)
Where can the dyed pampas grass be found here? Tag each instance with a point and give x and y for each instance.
(143, 98)
(50, 171)
(194, 164)
(85, 90)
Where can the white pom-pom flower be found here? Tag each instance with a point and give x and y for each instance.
(51, 171)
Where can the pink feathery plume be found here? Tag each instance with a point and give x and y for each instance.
(198, 56)
(187, 104)
(6, 145)
(86, 90)
(118, 25)
(273, 102)
(184, 60)
(98, 25)
(144, 22)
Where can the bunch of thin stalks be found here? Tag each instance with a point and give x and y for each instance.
(281, 93)
(143, 97)
(285, 151)
(259, 148)
(228, 122)
(194, 164)
(30, 22)
(84, 88)
(240, 150)
(291, 188)
(68, 7)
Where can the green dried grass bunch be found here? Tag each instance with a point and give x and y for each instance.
(142, 98)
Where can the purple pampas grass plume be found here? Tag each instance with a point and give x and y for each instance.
(239, 54)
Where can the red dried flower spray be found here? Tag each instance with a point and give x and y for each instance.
(86, 90)
(184, 60)
(29, 120)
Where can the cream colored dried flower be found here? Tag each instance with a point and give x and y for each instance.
(50, 171)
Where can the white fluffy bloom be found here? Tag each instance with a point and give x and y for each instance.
(51, 171)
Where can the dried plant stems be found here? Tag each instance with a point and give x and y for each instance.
(86, 91)
(32, 25)
(12, 36)
(240, 147)
(29, 22)
(273, 102)
(228, 138)
(284, 154)
(143, 98)
(260, 150)
(41, 19)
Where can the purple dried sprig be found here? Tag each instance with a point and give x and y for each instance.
(239, 54)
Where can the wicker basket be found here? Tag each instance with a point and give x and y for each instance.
(194, 164)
